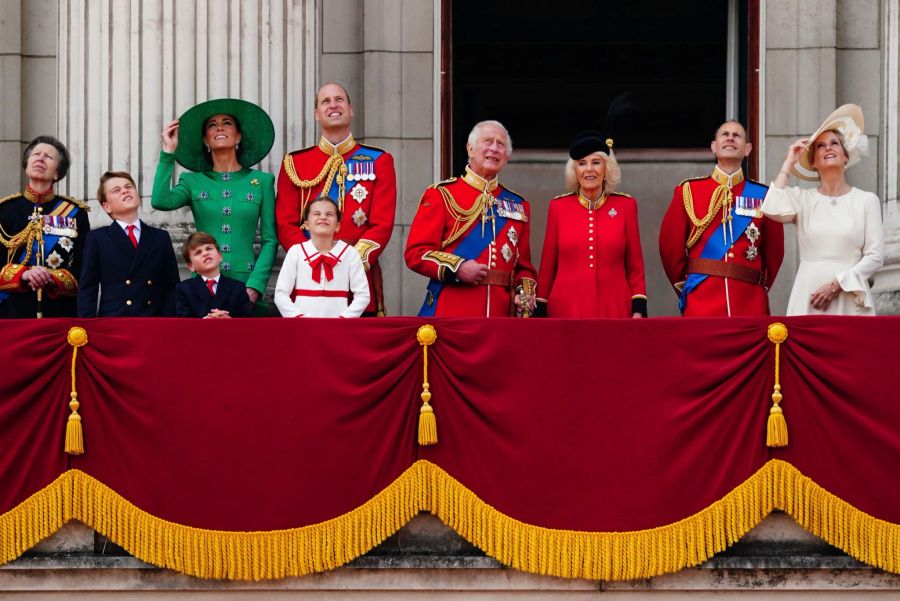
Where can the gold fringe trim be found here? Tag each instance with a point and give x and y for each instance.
(673, 547)
(427, 487)
(36, 518)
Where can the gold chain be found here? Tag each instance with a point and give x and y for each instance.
(721, 199)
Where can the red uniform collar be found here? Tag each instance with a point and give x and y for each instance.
(478, 182)
(38, 197)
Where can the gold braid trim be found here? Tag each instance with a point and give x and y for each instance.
(721, 200)
(464, 218)
(427, 487)
(333, 166)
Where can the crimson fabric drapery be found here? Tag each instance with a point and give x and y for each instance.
(601, 426)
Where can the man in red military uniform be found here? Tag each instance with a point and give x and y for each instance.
(718, 250)
(470, 237)
(359, 178)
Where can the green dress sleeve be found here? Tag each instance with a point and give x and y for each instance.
(259, 278)
(165, 198)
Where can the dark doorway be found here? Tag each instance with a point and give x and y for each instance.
(550, 69)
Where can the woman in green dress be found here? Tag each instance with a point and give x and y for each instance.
(219, 140)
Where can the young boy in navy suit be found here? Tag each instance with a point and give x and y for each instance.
(129, 268)
(210, 294)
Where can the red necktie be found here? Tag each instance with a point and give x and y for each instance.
(131, 235)
(327, 262)
(211, 285)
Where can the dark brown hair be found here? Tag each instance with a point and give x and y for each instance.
(101, 192)
(194, 240)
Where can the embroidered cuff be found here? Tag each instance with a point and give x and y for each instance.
(365, 248)
(11, 276)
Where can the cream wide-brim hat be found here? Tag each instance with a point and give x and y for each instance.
(848, 121)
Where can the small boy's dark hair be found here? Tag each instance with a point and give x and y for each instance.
(317, 199)
(194, 240)
(101, 193)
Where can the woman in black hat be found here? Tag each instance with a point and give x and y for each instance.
(218, 141)
(592, 264)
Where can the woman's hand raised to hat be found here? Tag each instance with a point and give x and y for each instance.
(170, 136)
(795, 151)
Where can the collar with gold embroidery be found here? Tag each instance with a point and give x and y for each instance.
(38, 197)
(339, 148)
(478, 182)
(589, 204)
(724, 179)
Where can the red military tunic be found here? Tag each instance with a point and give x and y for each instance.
(439, 228)
(717, 295)
(366, 176)
(592, 264)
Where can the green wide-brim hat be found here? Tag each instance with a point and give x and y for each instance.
(257, 132)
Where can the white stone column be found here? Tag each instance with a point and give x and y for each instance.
(127, 67)
(886, 288)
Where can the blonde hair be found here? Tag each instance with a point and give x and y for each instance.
(611, 179)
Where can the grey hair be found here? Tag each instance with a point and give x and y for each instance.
(473, 135)
(611, 179)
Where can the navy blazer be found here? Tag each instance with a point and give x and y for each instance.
(192, 298)
(130, 282)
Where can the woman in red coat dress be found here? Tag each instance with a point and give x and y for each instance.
(592, 265)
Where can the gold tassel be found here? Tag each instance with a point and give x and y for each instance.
(427, 420)
(776, 428)
(74, 436)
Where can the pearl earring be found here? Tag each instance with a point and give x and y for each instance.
(238, 145)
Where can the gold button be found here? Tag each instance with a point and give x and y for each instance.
(128, 282)
(149, 302)
(149, 282)
(590, 248)
(128, 302)
(591, 257)
(591, 266)
(730, 255)
(493, 263)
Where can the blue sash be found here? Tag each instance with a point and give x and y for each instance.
(717, 244)
(471, 247)
(50, 241)
(367, 151)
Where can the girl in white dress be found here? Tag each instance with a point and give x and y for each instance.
(320, 276)
(839, 227)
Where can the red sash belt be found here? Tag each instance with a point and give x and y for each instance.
(328, 293)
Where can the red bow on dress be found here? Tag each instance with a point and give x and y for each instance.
(327, 262)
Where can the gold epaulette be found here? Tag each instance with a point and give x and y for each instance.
(10, 197)
(445, 182)
(78, 203)
(564, 194)
(693, 179)
(617, 193)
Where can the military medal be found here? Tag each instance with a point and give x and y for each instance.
(746, 206)
(511, 210)
(359, 193)
(613, 213)
(359, 217)
(360, 171)
(57, 225)
(513, 236)
(752, 233)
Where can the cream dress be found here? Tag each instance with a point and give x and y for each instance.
(840, 238)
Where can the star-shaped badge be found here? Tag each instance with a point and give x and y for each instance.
(359, 217)
(359, 193)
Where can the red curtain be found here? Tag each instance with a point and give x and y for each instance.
(590, 426)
